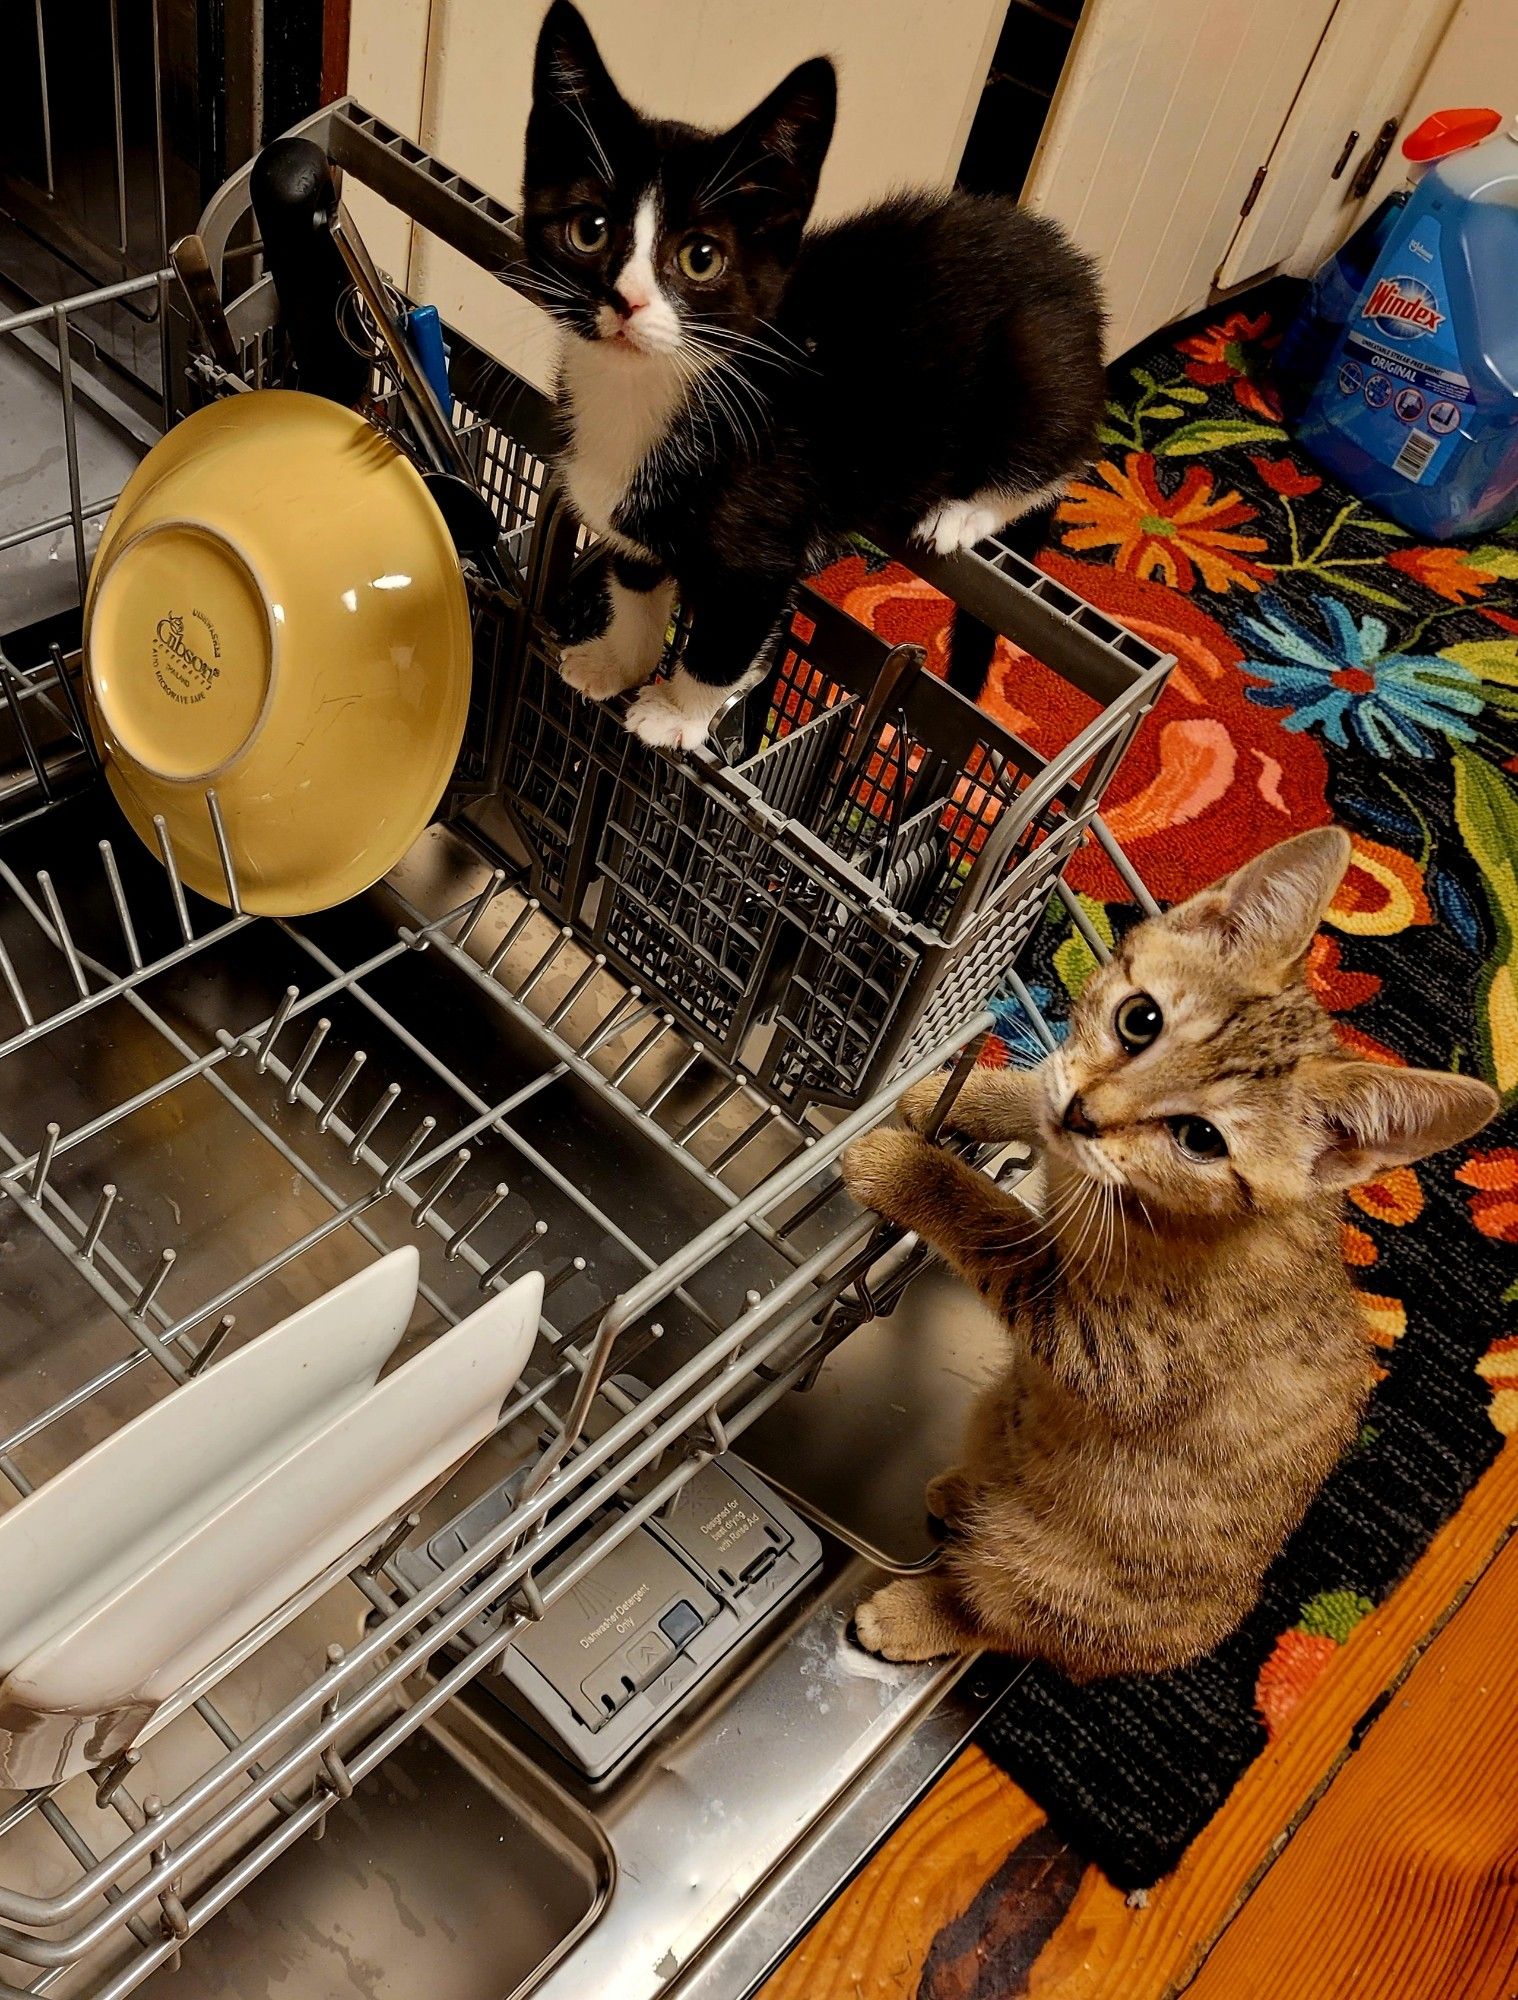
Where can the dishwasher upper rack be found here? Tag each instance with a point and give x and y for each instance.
(825, 891)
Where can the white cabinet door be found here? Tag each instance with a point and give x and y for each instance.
(910, 76)
(1360, 77)
(1165, 110)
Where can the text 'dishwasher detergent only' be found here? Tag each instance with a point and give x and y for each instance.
(1416, 407)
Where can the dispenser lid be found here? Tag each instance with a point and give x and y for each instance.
(1446, 132)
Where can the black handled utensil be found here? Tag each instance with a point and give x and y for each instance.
(295, 201)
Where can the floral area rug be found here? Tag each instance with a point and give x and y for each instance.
(1329, 667)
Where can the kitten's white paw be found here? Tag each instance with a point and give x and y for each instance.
(677, 714)
(909, 1620)
(598, 670)
(958, 524)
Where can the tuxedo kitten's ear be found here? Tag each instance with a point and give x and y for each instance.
(567, 70)
(1375, 1117)
(779, 148)
(1266, 913)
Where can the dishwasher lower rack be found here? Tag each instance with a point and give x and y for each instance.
(299, 1094)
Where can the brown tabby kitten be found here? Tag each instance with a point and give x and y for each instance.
(1188, 1358)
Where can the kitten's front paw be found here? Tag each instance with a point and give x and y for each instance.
(909, 1620)
(673, 715)
(598, 671)
(878, 1168)
(958, 524)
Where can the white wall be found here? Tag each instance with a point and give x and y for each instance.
(456, 75)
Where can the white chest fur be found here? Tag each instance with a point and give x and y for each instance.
(621, 406)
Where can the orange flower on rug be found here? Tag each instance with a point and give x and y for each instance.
(1168, 537)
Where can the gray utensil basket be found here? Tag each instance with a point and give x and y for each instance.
(830, 887)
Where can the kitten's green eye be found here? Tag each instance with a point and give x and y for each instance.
(588, 232)
(1197, 1139)
(1137, 1022)
(701, 259)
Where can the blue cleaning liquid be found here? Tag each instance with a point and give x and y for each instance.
(1324, 312)
(1416, 407)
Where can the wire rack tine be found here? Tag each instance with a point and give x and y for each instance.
(306, 1057)
(71, 698)
(572, 1269)
(44, 1164)
(763, 1123)
(567, 1005)
(645, 1047)
(171, 868)
(213, 1343)
(519, 924)
(407, 1154)
(449, 1173)
(494, 1274)
(9, 682)
(623, 1014)
(281, 1014)
(482, 1214)
(224, 853)
(118, 898)
(556, 945)
(672, 1082)
(481, 904)
(370, 1126)
(65, 936)
(340, 1089)
(13, 984)
(105, 1202)
(153, 1282)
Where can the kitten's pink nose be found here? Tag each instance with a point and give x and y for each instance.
(625, 304)
(1076, 1118)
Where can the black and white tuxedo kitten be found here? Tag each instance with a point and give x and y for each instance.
(736, 395)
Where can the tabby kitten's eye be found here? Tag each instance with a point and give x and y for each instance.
(1137, 1022)
(1197, 1139)
(588, 232)
(701, 259)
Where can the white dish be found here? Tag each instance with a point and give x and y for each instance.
(120, 1671)
(99, 1521)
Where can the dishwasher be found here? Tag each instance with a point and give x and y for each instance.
(588, 1722)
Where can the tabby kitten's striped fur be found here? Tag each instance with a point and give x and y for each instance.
(1188, 1359)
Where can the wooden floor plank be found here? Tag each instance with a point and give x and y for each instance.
(1103, 1950)
(872, 1943)
(1404, 1882)
(1106, 1951)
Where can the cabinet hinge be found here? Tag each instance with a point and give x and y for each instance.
(1254, 192)
(1373, 162)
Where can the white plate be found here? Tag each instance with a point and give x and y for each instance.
(120, 1671)
(101, 1519)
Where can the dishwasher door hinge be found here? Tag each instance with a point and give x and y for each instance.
(1254, 191)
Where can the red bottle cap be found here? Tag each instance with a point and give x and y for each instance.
(1446, 132)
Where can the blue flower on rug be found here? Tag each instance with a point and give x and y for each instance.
(1349, 686)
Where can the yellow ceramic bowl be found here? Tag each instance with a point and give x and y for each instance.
(276, 612)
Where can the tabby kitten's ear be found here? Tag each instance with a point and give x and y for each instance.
(1375, 1116)
(772, 159)
(1266, 914)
